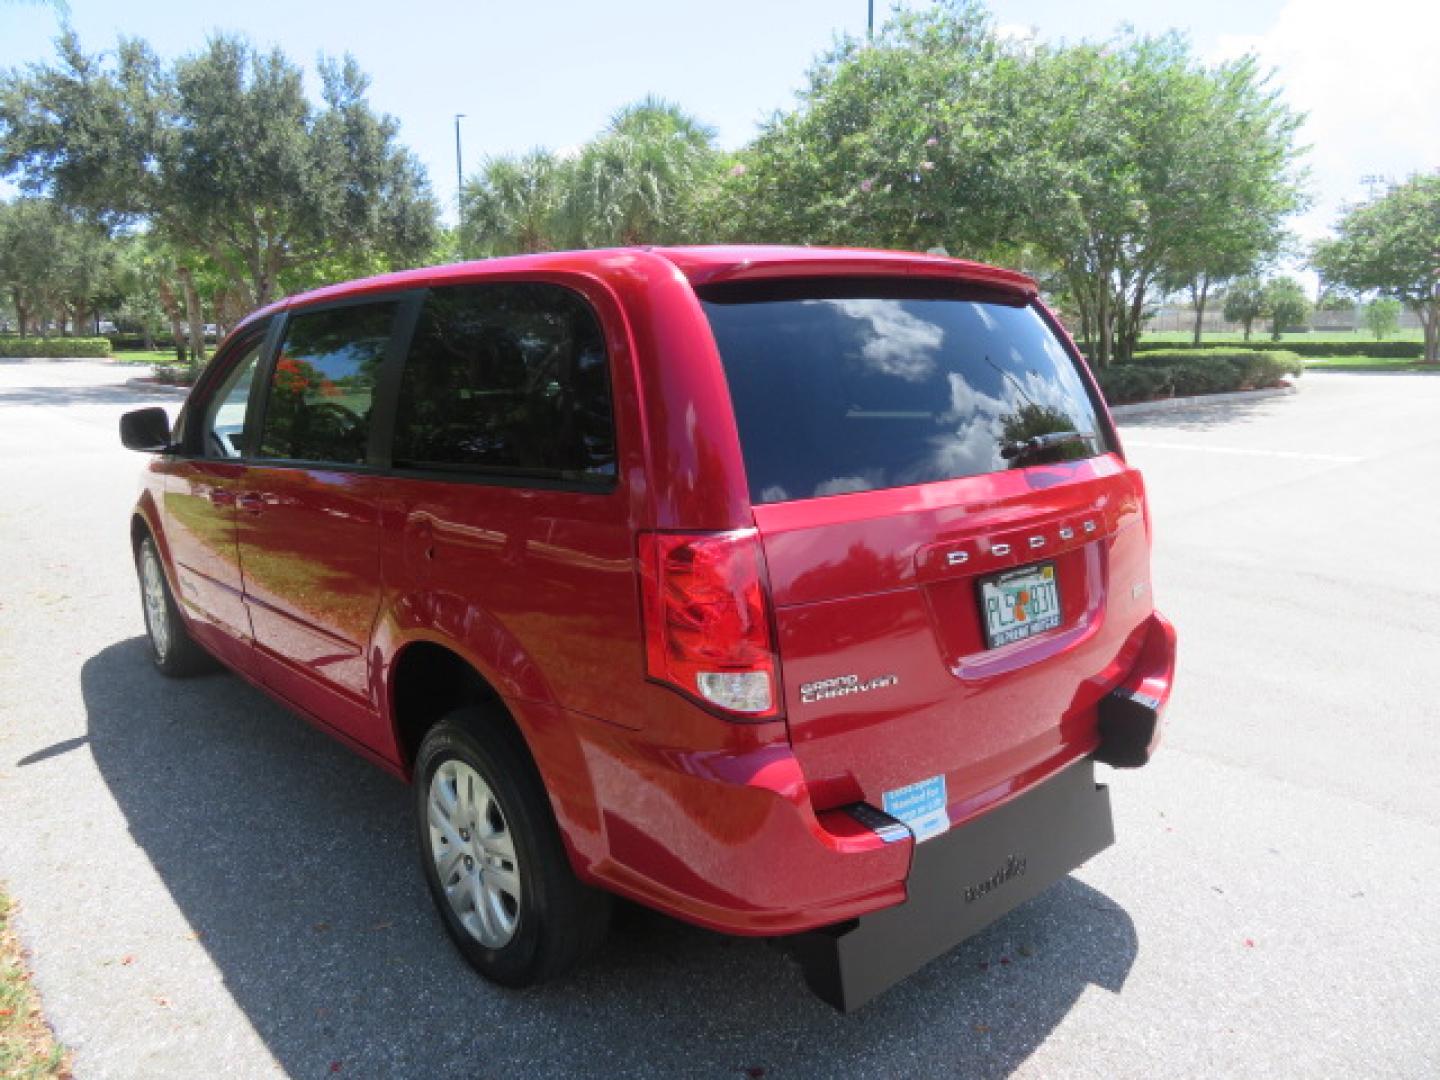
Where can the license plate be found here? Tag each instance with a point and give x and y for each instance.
(1019, 604)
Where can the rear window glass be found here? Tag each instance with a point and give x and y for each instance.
(852, 385)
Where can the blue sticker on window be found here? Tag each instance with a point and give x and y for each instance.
(921, 806)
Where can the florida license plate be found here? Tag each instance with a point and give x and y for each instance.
(1019, 604)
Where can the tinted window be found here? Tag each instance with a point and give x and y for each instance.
(848, 386)
(323, 383)
(224, 425)
(508, 378)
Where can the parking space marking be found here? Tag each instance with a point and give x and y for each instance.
(1297, 455)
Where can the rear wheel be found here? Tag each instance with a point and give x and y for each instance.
(171, 647)
(492, 855)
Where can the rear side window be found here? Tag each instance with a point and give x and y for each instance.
(507, 378)
(853, 385)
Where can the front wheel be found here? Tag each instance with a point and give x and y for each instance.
(171, 647)
(492, 855)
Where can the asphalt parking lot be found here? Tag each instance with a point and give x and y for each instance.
(211, 888)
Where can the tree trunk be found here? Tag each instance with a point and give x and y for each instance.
(1105, 324)
(1198, 296)
(1430, 319)
(1130, 319)
(193, 315)
(1429, 312)
(172, 313)
(269, 273)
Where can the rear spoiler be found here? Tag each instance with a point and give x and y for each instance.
(865, 264)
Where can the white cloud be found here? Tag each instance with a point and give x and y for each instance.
(898, 343)
(1367, 76)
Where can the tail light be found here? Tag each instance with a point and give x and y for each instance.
(707, 619)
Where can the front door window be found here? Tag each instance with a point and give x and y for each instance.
(224, 426)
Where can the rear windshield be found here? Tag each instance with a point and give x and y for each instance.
(854, 385)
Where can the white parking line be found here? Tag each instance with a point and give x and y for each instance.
(1298, 455)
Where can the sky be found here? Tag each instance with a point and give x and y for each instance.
(551, 72)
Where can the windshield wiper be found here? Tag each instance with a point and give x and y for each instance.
(1020, 448)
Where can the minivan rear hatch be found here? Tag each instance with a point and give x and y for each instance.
(956, 552)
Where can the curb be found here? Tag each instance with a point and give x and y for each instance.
(56, 360)
(157, 388)
(1179, 404)
(1341, 369)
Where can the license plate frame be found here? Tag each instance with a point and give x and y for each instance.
(1000, 600)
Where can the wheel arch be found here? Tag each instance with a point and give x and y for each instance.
(145, 521)
(427, 679)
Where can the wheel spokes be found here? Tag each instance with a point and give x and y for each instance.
(474, 853)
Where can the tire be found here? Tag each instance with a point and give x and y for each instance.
(503, 885)
(172, 649)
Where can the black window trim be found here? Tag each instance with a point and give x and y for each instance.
(402, 322)
(490, 476)
(800, 286)
(199, 400)
(386, 397)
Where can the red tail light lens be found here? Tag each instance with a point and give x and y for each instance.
(707, 619)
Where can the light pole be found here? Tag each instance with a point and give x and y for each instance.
(870, 23)
(459, 178)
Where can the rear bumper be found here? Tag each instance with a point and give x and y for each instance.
(1130, 715)
(959, 883)
(731, 841)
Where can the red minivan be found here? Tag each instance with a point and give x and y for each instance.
(791, 592)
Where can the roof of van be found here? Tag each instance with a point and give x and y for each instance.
(700, 264)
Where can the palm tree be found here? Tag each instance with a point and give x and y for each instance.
(512, 206)
(636, 182)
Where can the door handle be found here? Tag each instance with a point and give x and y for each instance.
(252, 502)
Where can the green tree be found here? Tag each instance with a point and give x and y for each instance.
(1382, 316)
(54, 266)
(640, 181)
(1286, 303)
(29, 230)
(1392, 246)
(513, 206)
(222, 156)
(1122, 167)
(636, 182)
(1245, 302)
(897, 144)
(1186, 173)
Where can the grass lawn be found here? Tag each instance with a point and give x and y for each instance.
(1329, 337)
(141, 356)
(1367, 363)
(27, 1047)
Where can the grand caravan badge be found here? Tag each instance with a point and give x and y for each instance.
(843, 686)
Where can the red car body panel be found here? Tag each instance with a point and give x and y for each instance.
(314, 583)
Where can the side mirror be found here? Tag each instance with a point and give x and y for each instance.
(146, 430)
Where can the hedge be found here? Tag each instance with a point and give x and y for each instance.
(55, 346)
(1389, 350)
(134, 342)
(1165, 373)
